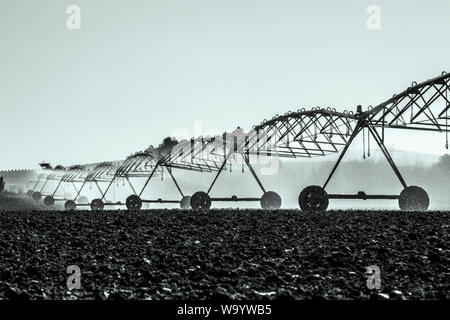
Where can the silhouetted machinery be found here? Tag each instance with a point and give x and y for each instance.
(101, 174)
(150, 165)
(63, 177)
(44, 183)
(422, 106)
(272, 141)
(304, 133)
(318, 132)
(144, 165)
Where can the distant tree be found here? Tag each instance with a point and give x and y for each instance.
(166, 146)
(444, 161)
(46, 166)
(2, 184)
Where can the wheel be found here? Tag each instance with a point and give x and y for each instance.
(49, 201)
(313, 198)
(37, 196)
(413, 198)
(29, 193)
(134, 202)
(185, 202)
(70, 205)
(97, 205)
(200, 201)
(83, 200)
(270, 200)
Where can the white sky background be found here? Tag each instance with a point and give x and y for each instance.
(138, 70)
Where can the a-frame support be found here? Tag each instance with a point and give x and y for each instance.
(363, 123)
(249, 166)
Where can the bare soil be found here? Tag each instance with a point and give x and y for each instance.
(225, 254)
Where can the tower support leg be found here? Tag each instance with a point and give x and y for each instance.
(149, 177)
(247, 162)
(220, 170)
(131, 186)
(355, 132)
(386, 153)
(169, 170)
(57, 187)
(107, 188)
(79, 191)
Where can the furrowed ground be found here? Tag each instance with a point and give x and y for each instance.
(253, 254)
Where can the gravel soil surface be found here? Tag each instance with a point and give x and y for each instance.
(228, 254)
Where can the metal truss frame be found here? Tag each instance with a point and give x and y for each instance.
(300, 134)
(423, 107)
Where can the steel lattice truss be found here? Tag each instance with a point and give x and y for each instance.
(203, 154)
(423, 106)
(53, 175)
(139, 165)
(75, 173)
(316, 132)
(319, 131)
(39, 179)
(103, 172)
(304, 133)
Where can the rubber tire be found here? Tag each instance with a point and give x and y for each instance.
(413, 198)
(313, 198)
(185, 203)
(134, 202)
(200, 201)
(70, 205)
(37, 196)
(49, 201)
(270, 201)
(97, 205)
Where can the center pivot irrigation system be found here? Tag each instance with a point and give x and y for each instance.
(305, 133)
(139, 165)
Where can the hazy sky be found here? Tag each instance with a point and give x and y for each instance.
(138, 70)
